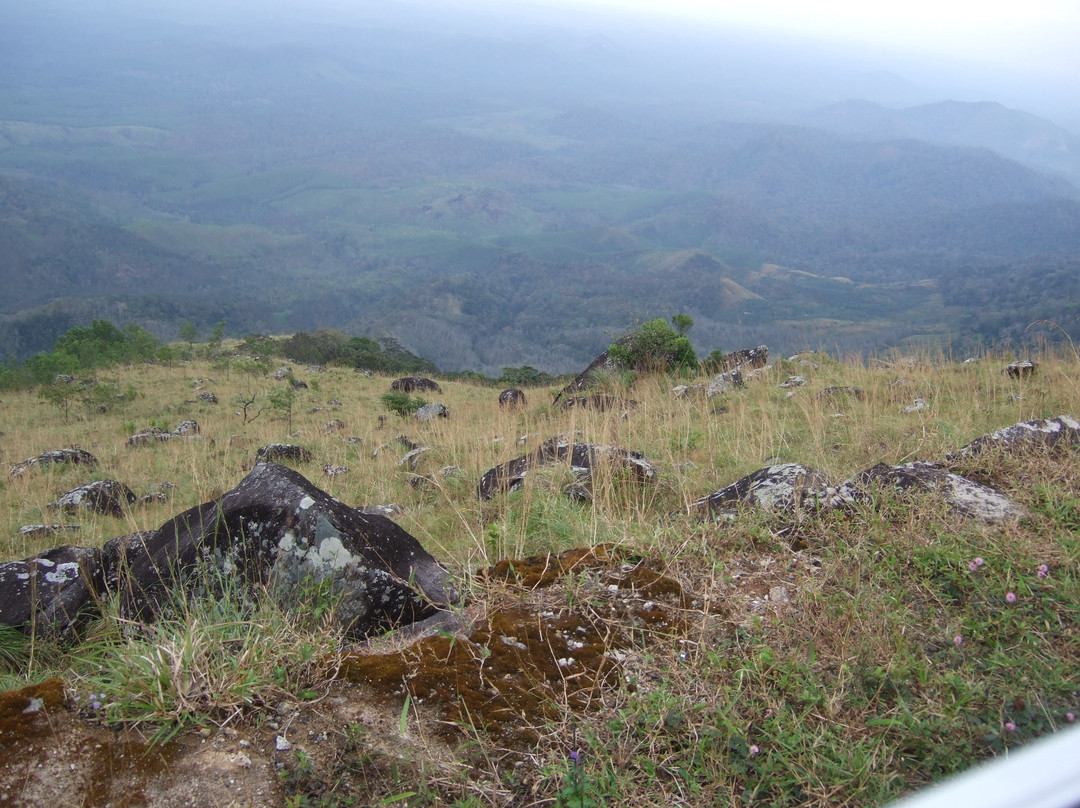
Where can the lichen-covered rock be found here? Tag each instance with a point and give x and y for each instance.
(108, 497)
(429, 412)
(1021, 370)
(334, 470)
(747, 358)
(725, 382)
(275, 531)
(51, 591)
(37, 531)
(966, 496)
(781, 487)
(149, 435)
(277, 452)
(208, 397)
(188, 427)
(600, 403)
(412, 458)
(513, 398)
(855, 392)
(581, 456)
(72, 456)
(410, 384)
(1050, 435)
(793, 381)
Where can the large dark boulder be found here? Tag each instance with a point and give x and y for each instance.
(410, 384)
(583, 457)
(108, 497)
(274, 532)
(72, 456)
(512, 398)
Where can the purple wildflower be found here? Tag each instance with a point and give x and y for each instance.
(979, 561)
(973, 566)
(1010, 726)
(1044, 570)
(754, 749)
(1070, 717)
(1010, 597)
(958, 640)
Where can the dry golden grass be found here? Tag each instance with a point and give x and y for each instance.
(851, 693)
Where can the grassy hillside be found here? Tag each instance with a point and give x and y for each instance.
(840, 658)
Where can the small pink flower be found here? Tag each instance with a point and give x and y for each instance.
(1010, 597)
(1010, 726)
(958, 640)
(1070, 717)
(754, 749)
(1043, 570)
(973, 566)
(979, 561)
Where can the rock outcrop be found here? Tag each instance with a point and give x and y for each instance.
(275, 452)
(583, 457)
(513, 398)
(62, 456)
(275, 531)
(1052, 434)
(410, 384)
(108, 497)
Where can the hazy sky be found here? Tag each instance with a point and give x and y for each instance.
(1039, 34)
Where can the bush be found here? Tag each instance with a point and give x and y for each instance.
(654, 346)
(401, 403)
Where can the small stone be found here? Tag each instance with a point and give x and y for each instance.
(779, 594)
(281, 743)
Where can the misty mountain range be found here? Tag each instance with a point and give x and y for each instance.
(493, 190)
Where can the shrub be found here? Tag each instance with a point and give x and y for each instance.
(654, 346)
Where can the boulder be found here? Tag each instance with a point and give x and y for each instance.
(274, 532)
(747, 358)
(513, 398)
(581, 456)
(1020, 370)
(966, 496)
(856, 392)
(793, 381)
(297, 384)
(429, 412)
(188, 427)
(274, 452)
(780, 487)
(600, 403)
(208, 397)
(35, 531)
(282, 372)
(107, 497)
(1050, 435)
(725, 382)
(72, 456)
(334, 470)
(53, 590)
(409, 384)
(584, 379)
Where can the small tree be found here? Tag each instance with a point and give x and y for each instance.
(189, 333)
(281, 401)
(682, 323)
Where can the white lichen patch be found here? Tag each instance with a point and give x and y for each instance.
(306, 503)
(63, 573)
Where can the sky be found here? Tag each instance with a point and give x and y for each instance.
(1038, 35)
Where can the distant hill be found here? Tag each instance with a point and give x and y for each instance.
(1018, 135)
